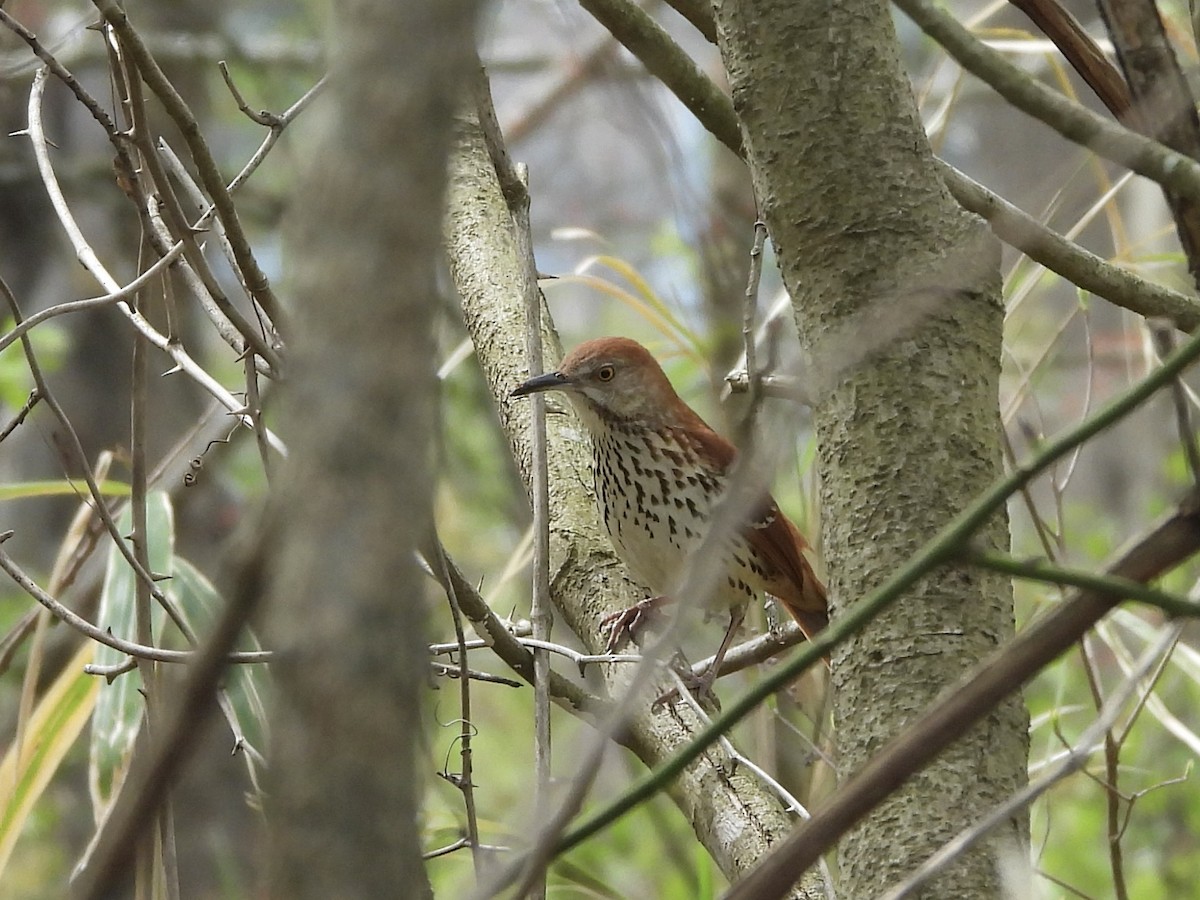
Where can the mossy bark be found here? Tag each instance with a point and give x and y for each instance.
(897, 298)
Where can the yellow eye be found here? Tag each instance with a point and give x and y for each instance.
(606, 373)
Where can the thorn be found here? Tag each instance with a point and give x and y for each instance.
(172, 371)
(156, 577)
(4, 536)
(22, 133)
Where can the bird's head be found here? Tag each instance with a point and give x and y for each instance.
(612, 380)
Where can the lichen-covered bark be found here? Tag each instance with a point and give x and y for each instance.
(734, 815)
(897, 297)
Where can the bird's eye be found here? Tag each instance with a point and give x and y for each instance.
(606, 373)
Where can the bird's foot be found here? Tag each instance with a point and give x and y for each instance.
(699, 686)
(624, 623)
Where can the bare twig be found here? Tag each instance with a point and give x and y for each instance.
(175, 220)
(749, 316)
(86, 628)
(88, 257)
(19, 419)
(465, 674)
(262, 117)
(516, 180)
(210, 175)
(464, 782)
(1058, 254)
(1073, 121)
(504, 643)
(73, 306)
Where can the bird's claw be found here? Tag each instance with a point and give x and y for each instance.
(625, 622)
(699, 686)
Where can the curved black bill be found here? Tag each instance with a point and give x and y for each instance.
(551, 381)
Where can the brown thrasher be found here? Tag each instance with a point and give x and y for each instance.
(659, 470)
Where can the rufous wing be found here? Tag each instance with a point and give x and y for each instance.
(794, 582)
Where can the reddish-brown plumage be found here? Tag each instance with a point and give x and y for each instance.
(659, 470)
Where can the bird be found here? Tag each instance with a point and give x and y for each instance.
(659, 470)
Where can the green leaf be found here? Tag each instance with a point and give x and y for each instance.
(74, 487)
(52, 730)
(201, 605)
(50, 342)
(119, 708)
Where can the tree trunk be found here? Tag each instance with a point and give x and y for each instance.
(735, 816)
(897, 298)
(346, 608)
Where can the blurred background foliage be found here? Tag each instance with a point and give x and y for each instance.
(645, 224)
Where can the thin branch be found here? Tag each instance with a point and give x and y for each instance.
(464, 674)
(263, 117)
(756, 650)
(86, 628)
(1072, 762)
(503, 642)
(1058, 254)
(1011, 225)
(1081, 51)
(581, 660)
(649, 42)
(19, 419)
(210, 175)
(749, 316)
(464, 783)
(73, 306)
(288, 116)
(255, 411)
(228, 331)
(1073, 121)
(177, 223)
(87, 256)
(75, 448)
(541, 613)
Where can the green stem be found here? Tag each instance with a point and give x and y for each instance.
(1109, 585)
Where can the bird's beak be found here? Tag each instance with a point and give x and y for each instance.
(551, 381)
